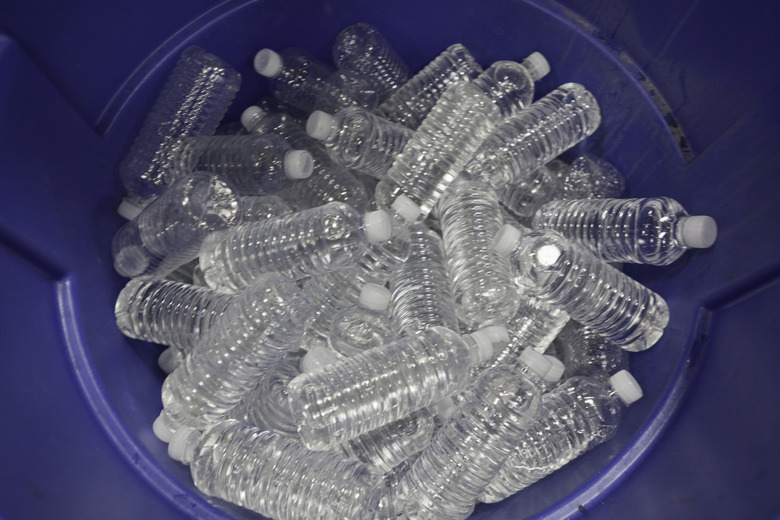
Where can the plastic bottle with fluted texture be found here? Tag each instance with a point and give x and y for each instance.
(654, 230)
(364, 326)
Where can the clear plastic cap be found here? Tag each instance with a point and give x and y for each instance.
(537, 65)
(626, 387)
(316, 358)
(298, 164)
(484, 345)
(698, 231)
(556, 369)
(128, 210)
(377, 226)
(535, 361)
(374, 296)
(250, 115)
(406, 207)
(506, 239)
(319, 125)
(182, 445)
(267, 63)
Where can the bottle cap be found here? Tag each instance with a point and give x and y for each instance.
(374, 296)
(316, 358)
(182, 445)
(406, 207)
(164, 427)
(319, 125)
(537, 65)
(298, 164)
(445, 408)
(506, 239)
(548, 254)
(626, 387)
(250, 115)
(169, 359)
(484, 345)
(556, 369)
(128, 210)
(498, 334)
(377, 226)
(267, 63)
(698, 231)
(535, 361)
(132, 261)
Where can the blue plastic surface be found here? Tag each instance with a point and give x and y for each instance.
(690, 95)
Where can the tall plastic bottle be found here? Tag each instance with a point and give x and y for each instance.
(578, 415)
(453, 130)
(535, 136)
(277, 476)
(254, 164)
(363, 49)
(307, 242)
(363, 392)
(357, 139)
(364, 326)
(192, 102)
(467, 452)
(561, 273)
(584, 352)
(654, 231)
(257, 329)
(480, 278)
(168, 232)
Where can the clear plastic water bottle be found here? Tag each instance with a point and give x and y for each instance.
(254, 164)
(587, 288)
(307, 242)
(363, 392)
(654, 231)
(421, 293)
(364, 326)
(535, 136)
(579, 414)
(363, 49)
(277, 476)
(357, 139)
(256, 330)
(586, 353)
(192, 102)
(480, 278)
(467, 452)
(169, 231)
(410, 103)
(328, 182)
(451, 133)
(166, 312)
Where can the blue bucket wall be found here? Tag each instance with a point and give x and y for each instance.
(689, 96)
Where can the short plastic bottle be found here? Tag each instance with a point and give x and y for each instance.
(168, 232)
(654, 230)
(312, 241)
(590, 290)
(192, 102)
(364, 326)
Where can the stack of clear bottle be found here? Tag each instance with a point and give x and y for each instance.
(325, 335)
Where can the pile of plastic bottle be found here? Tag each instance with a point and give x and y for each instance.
(384, 295)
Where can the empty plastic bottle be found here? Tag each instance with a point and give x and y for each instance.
(277, 476)
(357, 139)
(480, 278)
(467, 452)
(254, 164)
(452, 132)
(654, 231)
(421, 292)
(307, 242)
(587, 353)
(192, 102)
(587, 288)
(579, 414)
(363, 49)
(256, 330)
(328, 182)
(410, 103)
(169, 231)
(535, 136)
(166, 312)
(364, 326)
(363, 392)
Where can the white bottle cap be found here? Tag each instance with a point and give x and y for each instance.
(484, 345)
(169, 359)
(319, 125)
(548, 254)
(698, 231)
(250, 115)
(406, 207)
(377, 226)
(132, 261)
(267, 63)
(626, 387)
(374, 296)
(556, 369)
(316, 358)
(445, 408)
(128, 210)
(506, 239)
(298, 164)
(535, 361)
(182, 445)
(498, 334)
(537, 65)
(164, 427)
